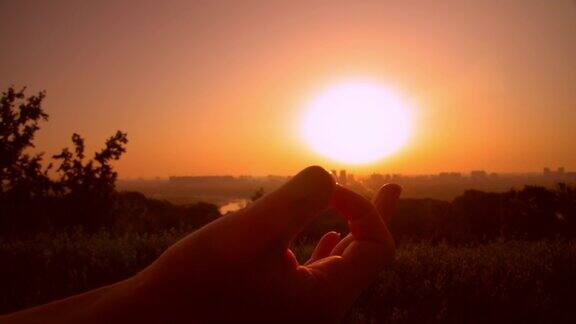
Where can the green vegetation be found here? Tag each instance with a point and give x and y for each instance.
(512, 281)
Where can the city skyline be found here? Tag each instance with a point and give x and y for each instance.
(552, 171)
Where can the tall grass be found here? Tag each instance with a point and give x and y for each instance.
(52, 266)
(504, 281)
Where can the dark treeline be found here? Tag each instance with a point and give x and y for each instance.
(476, 216)
(72, 191)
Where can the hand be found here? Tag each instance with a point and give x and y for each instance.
(239, 268)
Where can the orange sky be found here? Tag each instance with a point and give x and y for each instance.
(213, 87)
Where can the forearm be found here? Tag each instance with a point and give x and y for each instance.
(109, 304)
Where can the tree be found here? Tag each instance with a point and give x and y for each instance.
(19, 122)
(82, 191)
(88, 185)
(23, 180)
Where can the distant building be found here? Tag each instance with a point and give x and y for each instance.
(450, 176)
(343, 179)
(334, 174)
(375, 181)
(559, 173)
(201, 179)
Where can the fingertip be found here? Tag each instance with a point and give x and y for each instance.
(386, 200)
(316, 183)
(391, 189)
(325, 246)
(331, 237)
(317, 176)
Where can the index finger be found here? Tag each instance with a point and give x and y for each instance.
(275, 219)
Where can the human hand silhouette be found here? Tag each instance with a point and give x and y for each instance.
(240, 269)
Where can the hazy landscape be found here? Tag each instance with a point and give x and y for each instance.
(441, 134)
(478, 257)
(221, 190)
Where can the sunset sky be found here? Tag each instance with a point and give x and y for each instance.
(219, 87)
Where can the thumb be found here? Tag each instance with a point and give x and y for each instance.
(386, 200)
(371, 249)
(283, 213)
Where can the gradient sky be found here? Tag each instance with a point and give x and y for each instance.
(214, 87)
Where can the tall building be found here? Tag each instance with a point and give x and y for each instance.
(342, 179)
(334, 174)
(560, 172)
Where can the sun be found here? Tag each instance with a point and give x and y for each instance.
(356, 122)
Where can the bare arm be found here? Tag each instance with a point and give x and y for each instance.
(239, 268)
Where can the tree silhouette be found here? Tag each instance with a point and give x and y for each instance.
(23, 181)
(82, 191)
(88, 185)
(19, 121)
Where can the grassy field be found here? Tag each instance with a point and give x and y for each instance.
(513, 281)
(504, 281)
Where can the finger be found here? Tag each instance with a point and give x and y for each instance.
(364, 220)
(386, 200)
(342, 245)
(324, 246)
(283, 213)
(370, 250)
(272, 221)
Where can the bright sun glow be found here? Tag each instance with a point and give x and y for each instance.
(356, 122)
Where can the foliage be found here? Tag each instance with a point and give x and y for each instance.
(87, 187)
(83, 192)
(499, 282)
(134, 212)
(22, 177)
(19, 119)
(503, 281)
(56, 265)
(531, 213)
